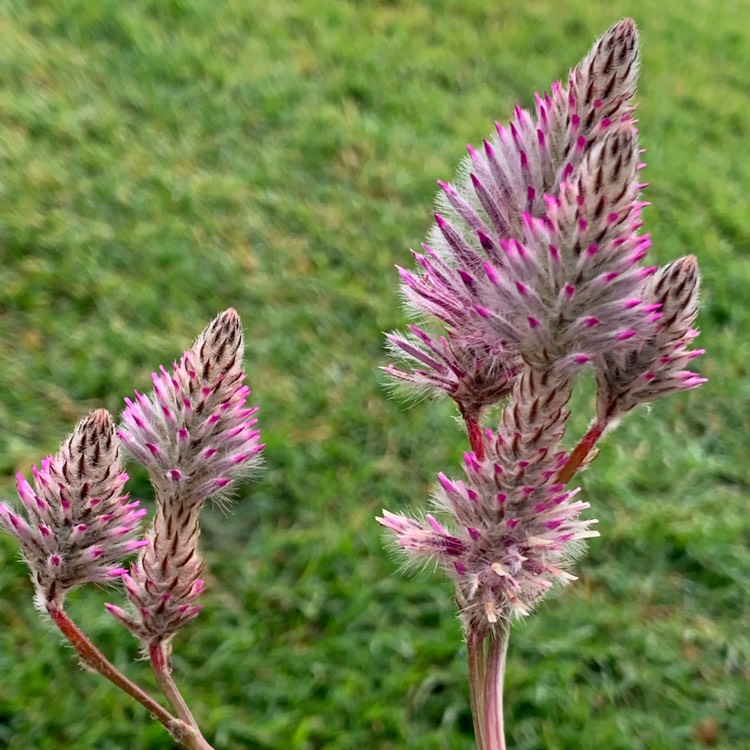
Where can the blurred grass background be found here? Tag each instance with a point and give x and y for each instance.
(165, 159)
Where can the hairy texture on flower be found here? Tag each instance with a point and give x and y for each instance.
(516, 529)
(536, 249)
(530, 158)
(78, 524)
(194, 435)
(657, 367)
(572, 287)
(466, 369)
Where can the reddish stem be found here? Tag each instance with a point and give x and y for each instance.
(476, 438)
(94, 658)
(580, 452)
(161, 664)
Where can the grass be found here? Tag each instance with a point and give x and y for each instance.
(164, 160)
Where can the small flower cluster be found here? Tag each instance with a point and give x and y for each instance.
(79, 524)
(533, 271)
(195, 434)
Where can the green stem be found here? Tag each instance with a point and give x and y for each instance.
(475, 653)
(494, 679)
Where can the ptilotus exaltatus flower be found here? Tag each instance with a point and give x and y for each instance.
(534, 271)
(195, 435)
(79, 525)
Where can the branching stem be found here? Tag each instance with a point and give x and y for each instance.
(476, 439)
(160, 663)
(92, 657)
(580, 452)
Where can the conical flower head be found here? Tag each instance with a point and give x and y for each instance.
(657, 367)
(78, 524)
(536, 247)
(572, 286)
(194, 434)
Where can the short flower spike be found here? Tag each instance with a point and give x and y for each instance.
(78, 525)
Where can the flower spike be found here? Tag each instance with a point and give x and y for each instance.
(195, 434)
(79, 524)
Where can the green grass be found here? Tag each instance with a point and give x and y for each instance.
(165, 159)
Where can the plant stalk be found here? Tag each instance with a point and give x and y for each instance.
(160, 663)
(92, 657)
(580, 452)
(494, 679)
(474, 430)
(475, 654)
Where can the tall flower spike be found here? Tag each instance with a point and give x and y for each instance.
(194, 435)
(573, 286)
(528, 159)
(78, 524)
(657, 367)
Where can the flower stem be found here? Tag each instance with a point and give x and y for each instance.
(475, 653)
(160, 663)
(494, 678)
(476, 439)
(92, 657)
(580, 452)
(486, 655)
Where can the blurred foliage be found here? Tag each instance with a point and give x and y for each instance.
(165, 159)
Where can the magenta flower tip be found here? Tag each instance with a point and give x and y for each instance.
(446, 484)
(437, 527)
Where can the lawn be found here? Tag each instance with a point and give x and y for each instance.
(163, 160)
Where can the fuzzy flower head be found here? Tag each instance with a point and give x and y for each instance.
(514, 528)
(464, 368)
(194, 434)
(536, 247)
(657, 367)
(509, 542)
(78, 524)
